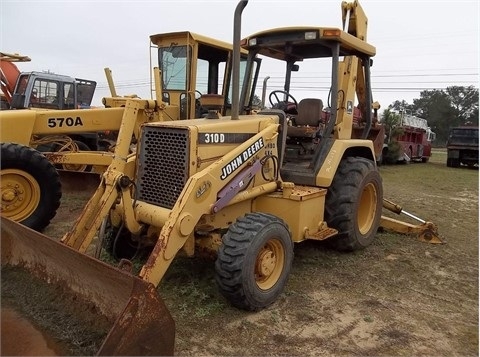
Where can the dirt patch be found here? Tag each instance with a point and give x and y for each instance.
(34, 343)
(69, 325)
(397, 297)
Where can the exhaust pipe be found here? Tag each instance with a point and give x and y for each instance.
(264, 90)
(237, 31)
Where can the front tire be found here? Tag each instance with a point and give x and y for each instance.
(254, 261)
(353, 204)
(31, 189)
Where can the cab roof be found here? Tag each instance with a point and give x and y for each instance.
(184, 37)
(298, 43)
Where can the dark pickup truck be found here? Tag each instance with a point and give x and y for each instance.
(462, 146)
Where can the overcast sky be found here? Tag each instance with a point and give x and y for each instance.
(420, 44)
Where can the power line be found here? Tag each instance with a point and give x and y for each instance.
(313, 84)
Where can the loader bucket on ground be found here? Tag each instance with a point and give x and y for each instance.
(79, 181)
(86, 298)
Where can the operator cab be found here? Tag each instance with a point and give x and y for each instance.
(312, 124)
(52, 91)
(196, 73)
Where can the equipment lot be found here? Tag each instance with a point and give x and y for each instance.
(397, 297)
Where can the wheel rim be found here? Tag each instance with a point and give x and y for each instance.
(20, 194)
(73, 167)
(269, 264)
(367, 208)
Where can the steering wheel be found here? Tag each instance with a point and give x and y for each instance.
(280, 104)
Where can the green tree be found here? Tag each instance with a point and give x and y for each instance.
(436, 107)
(392, 122)
(400, 105)
(464, 100)
(444, 109)
(256, 101)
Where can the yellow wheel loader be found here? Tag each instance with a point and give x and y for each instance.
(243, 187)
(195, 82)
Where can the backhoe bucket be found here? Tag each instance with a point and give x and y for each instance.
(126, 312)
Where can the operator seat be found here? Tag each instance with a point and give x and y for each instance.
(307, 122)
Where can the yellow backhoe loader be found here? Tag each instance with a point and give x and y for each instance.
(245, 187)
(195, 82)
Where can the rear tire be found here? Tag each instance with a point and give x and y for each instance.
(453, 162)
(254, 261)
(354, 204)
(31, 189)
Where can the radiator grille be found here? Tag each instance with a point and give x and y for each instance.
(162, 165)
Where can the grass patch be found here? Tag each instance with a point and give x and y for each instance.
(428, 179)
(190, 290)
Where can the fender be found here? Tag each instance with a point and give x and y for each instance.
(16, 126)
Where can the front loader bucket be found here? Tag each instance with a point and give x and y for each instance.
(127, 311)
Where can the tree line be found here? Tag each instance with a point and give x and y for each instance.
(443, 109)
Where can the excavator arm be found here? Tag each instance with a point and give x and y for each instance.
(354, 75)
(9, 72)
(357, 20)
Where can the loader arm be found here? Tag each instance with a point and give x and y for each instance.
(181, 220)
(111, 185)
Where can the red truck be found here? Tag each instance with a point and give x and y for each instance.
(415, 139)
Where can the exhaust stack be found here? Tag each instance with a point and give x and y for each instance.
(237, 31)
